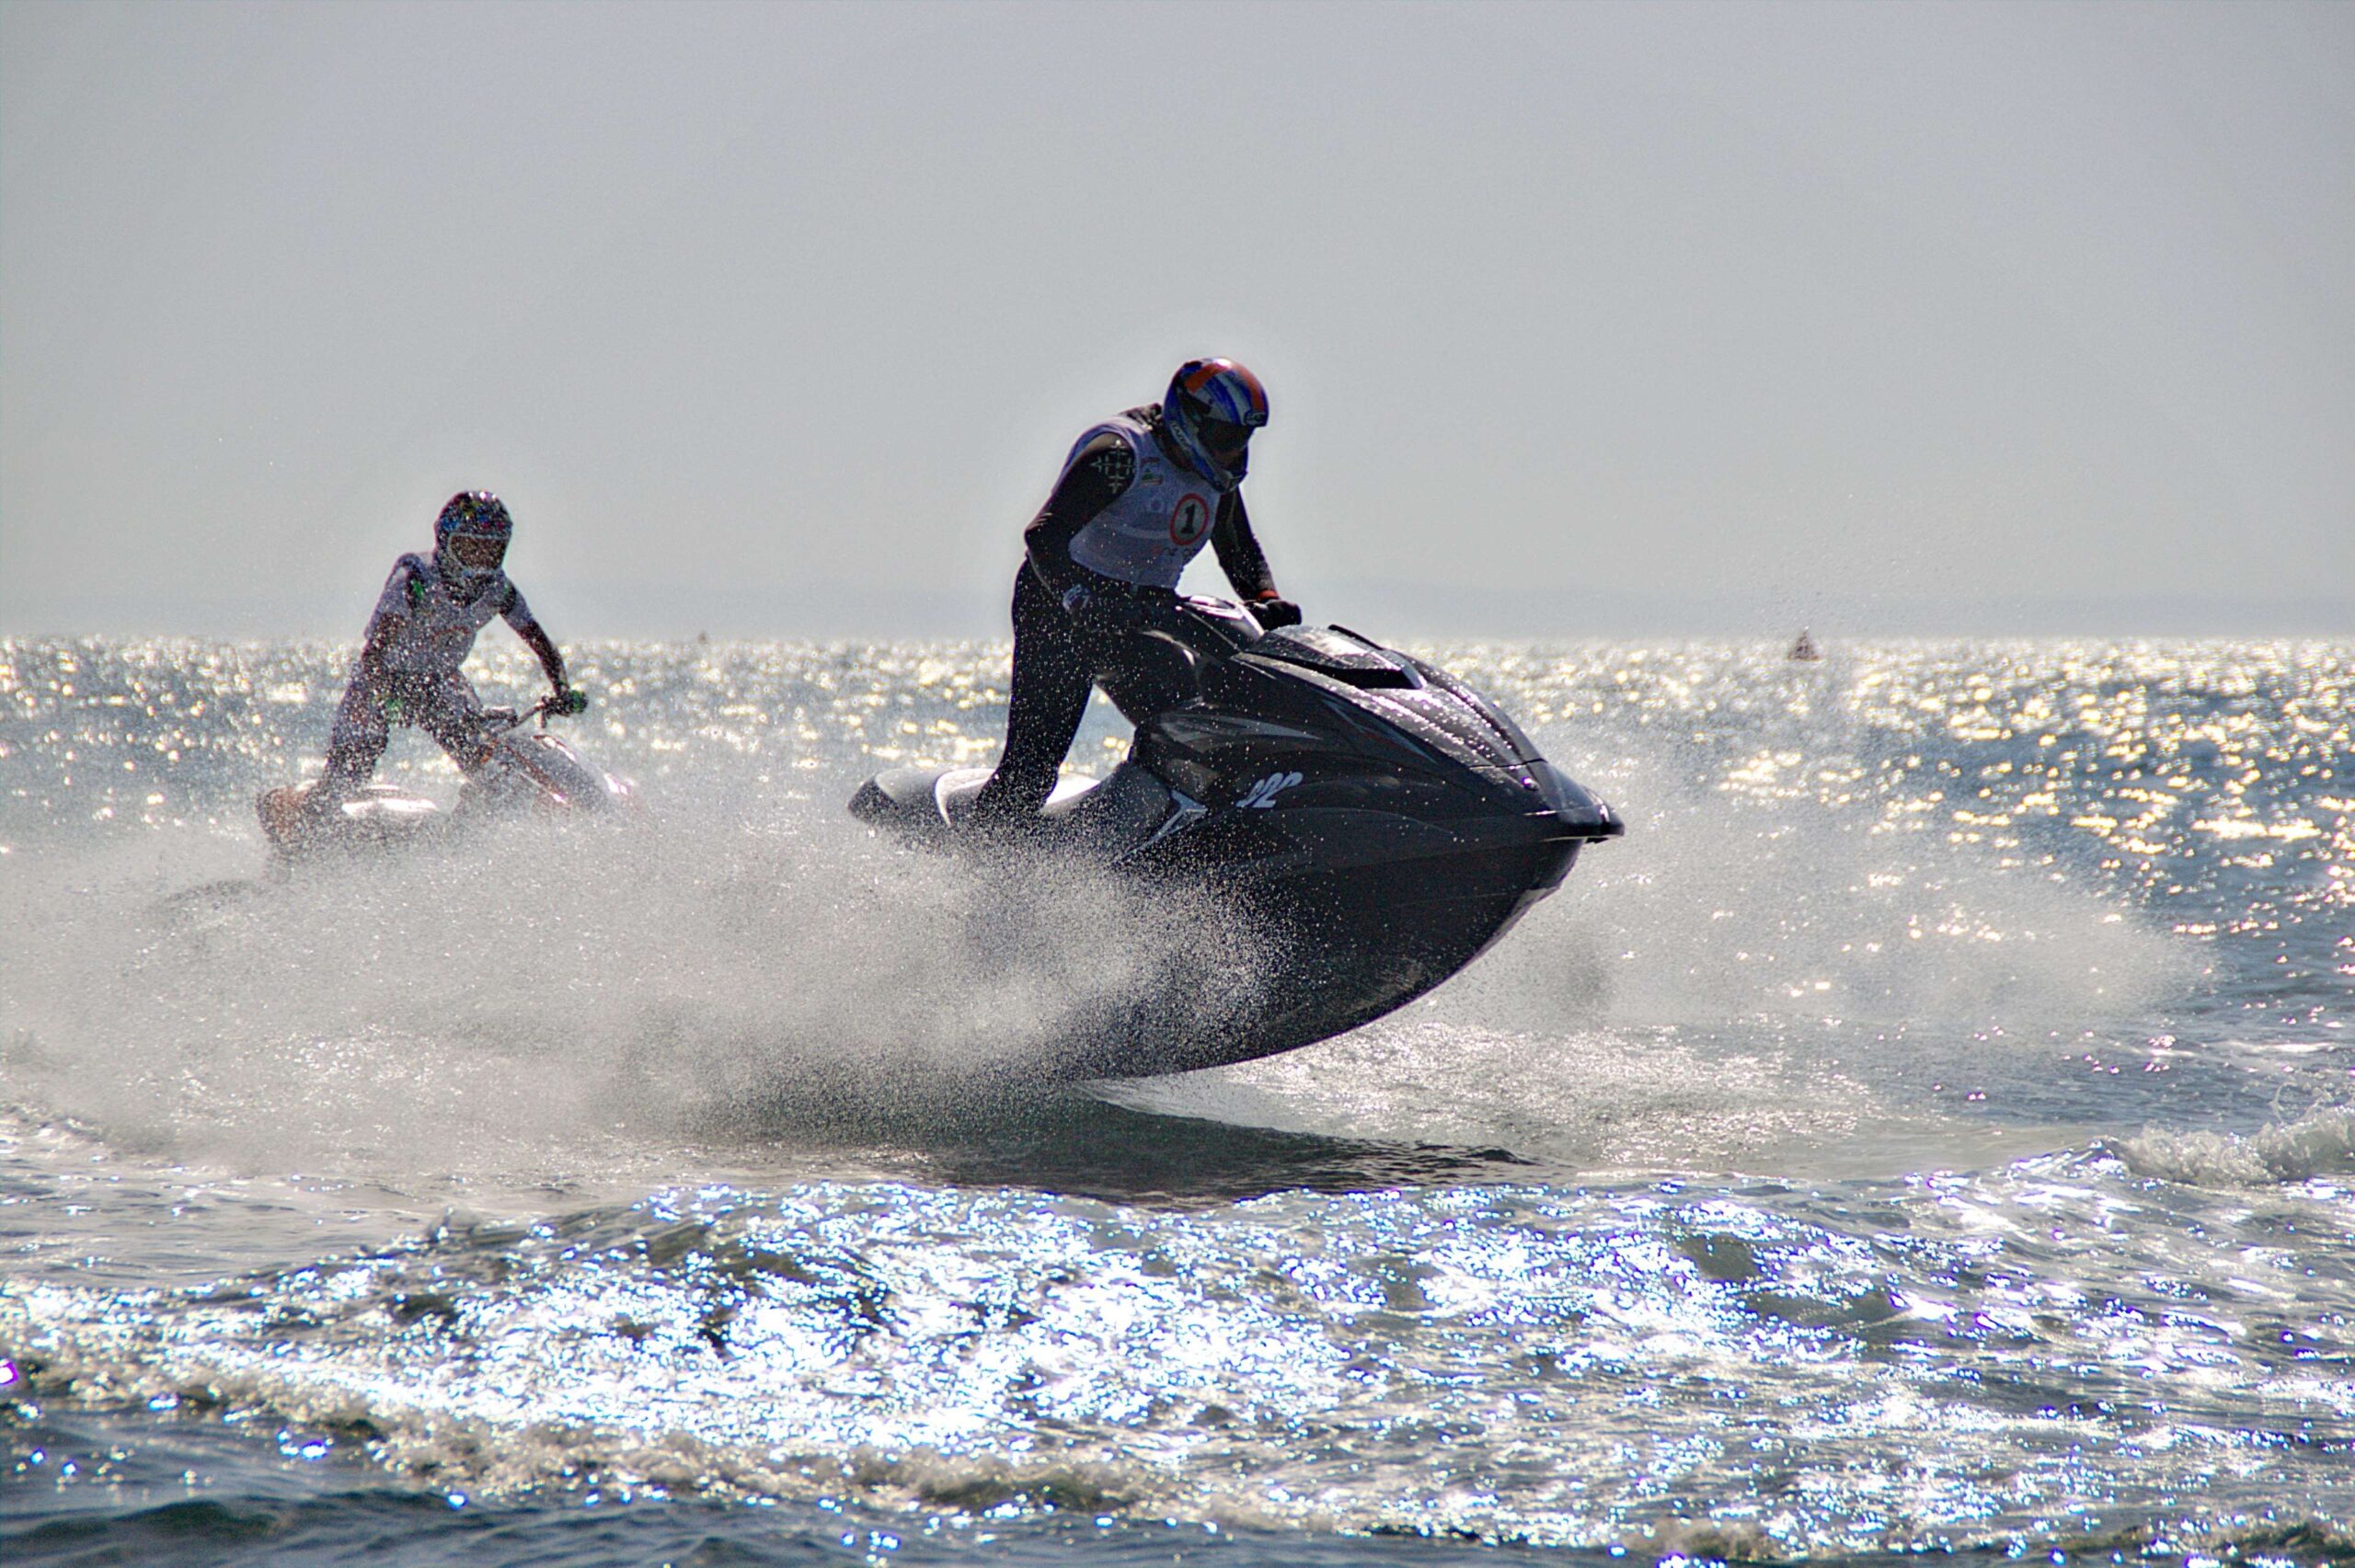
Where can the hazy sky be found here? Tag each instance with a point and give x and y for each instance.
(766, 317)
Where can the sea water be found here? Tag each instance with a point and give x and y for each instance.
(1930, 1128)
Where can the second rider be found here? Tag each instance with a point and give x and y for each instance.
(409, 669)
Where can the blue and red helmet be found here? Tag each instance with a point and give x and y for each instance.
(470, 536)
(1210, 410)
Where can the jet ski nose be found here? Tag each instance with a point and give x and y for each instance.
(1582, 813)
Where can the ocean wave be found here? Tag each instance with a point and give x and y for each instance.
(2316, 1144)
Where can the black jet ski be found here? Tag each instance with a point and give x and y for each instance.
(1377, 822)
(535, 771)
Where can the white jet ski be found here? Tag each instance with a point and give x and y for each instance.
(533, 771)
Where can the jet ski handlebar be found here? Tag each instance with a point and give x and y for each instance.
(500, 720)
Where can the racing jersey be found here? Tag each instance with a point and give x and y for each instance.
(432, 630)
(1128, 510)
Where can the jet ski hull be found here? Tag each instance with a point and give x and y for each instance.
(1332, 949)
(374, 818)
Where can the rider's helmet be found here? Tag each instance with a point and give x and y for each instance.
(470, 538)
(1210, 410)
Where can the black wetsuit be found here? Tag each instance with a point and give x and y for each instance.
(1058, 655)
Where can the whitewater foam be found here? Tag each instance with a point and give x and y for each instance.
(2320, 1143)
(556, 995)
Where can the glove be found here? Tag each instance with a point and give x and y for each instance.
(1272, 611)
(569, 701)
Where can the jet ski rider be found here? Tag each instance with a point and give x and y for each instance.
(424, 625)
(1139, 496)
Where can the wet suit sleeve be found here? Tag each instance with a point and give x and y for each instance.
(518, 614)
(1238, 551)
(392, 610)
(1096, 476)
(394, 602)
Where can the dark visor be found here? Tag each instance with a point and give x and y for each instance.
(1220, 434)
(479, 553)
